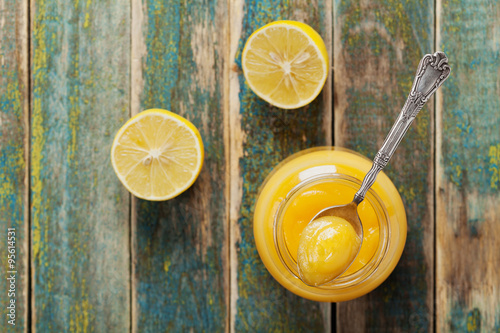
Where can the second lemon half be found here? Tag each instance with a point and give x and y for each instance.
(285, 63)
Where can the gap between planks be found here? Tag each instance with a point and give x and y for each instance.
(30, 307)
(227, 157)
(137, 47)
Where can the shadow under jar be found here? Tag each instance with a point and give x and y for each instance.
(313, 179)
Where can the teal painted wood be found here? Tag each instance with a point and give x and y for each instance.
(271, 134)
(180, 262)
(468, 176)
(378, 45)
(13, 165)
(79, 210)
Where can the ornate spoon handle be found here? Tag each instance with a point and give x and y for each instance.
(432, 71)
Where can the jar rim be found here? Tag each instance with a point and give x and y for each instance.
(369, 268)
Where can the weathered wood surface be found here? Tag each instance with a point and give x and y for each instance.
(180, 253)
(79, 210)
(14, 160)
(468, 164)
(191, 263)
(261, 136)
(378, 45)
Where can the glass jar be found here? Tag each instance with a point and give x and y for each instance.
(340, 168)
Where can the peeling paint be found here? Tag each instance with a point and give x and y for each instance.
(182, 52)
(79, 209)
(269, 135)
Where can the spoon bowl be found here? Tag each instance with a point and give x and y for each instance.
(348, 212)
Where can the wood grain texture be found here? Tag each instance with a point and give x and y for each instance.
(377, 47)
(14, 161)
(262, 136)
(468, 164)
(180, 253)
(79, 210)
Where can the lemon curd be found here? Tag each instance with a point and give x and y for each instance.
(308, 182)
(327, 247)
(308, 202)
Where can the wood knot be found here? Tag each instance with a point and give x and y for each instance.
(235, 68)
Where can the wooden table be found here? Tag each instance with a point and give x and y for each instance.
(89, 257)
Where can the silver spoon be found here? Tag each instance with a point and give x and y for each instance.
(432, 71)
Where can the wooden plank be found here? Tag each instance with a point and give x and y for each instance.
(180, 265)
(14, 164)
(80, 211)
(377, 47)
(262, 136)
(468, 178)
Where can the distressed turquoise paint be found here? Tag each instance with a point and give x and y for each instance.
(393, 35)
(470, 160)
(80, 219)
(271, 135)
(181, 251)
(471, 104)
(13, 102)
(460, 321)
(496, 328)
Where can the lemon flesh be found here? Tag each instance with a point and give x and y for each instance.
(157, 155)
(327, 247)
(285, 63)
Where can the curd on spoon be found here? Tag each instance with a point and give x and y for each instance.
(327, 247)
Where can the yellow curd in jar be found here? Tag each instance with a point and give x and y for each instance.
(297, 190)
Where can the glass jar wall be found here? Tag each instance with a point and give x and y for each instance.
(314, 179)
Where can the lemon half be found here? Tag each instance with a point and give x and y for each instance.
(157, 154)
(285, 63)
